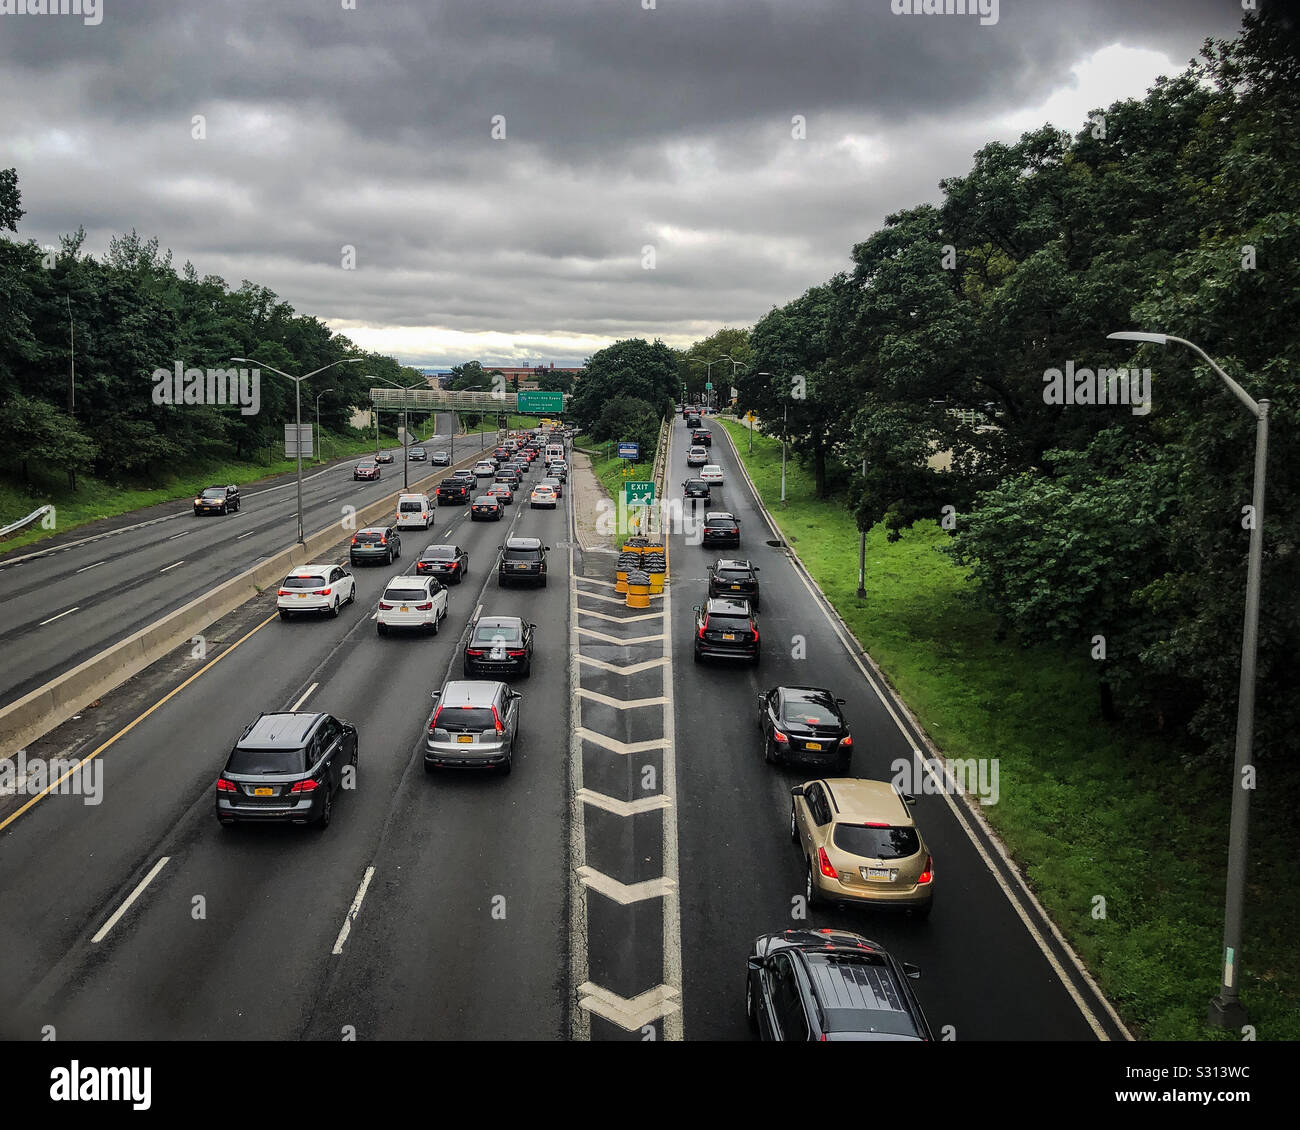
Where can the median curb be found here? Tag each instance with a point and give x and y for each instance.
(41, 710)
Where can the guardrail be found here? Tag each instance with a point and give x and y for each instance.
(39, 512)
(659, 473)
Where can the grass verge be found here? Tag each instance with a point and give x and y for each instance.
(1100, 821)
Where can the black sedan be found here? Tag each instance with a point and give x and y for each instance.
(449, 563)
(386, 457)
(804, 724)
(499, 645)
(486, 508)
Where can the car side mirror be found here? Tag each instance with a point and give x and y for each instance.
(913, 971)
(758, 964)
(547, 548)
(436, 695)
(908, 798)
(797, 790)
(840, 701)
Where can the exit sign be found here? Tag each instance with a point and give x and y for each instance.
(542, 403)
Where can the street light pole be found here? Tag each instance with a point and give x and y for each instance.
(297, 398)
(862, 548)
(318, 450)
(785, 417)
(1226, 1009)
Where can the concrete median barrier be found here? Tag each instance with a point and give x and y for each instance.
(40, 710)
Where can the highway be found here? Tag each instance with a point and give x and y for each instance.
(67, 598)
(634, 853)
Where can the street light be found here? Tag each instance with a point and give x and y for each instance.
(1226, 1010)
(297, 396)
(318, 451)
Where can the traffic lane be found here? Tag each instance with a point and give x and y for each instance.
(63, 860)
(973, 942)
(471, 874)
(144, 583)
(288, 883)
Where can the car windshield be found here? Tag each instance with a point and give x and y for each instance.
(809, 713)
(489, 633)
(303, 582)
(521, 554)
(877, 843)
(404, 595)
(215, 492)
(365, 466)
(466, 719)
(254, 762)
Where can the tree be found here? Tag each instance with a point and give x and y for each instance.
(633, 367)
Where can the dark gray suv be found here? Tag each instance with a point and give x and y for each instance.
(286, 768)
(376, 543)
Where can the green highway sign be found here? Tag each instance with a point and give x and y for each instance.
(638, 493)
(541, 402)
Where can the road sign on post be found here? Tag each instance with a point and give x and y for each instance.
(303, 442)
(539, 402)
(629, 450)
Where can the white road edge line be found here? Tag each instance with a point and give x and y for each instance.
(672, 905)
(247, 535)
(579, 1017)
(135, 894)
(1012, 898)
(304, 697)
(353, 910)
(60, 616)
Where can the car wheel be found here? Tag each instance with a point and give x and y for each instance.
(543, 580)
(437, 620)
(527, 670)
(758, 655)
(327, 813)
(352, 595)
(505, 765)
(697, 655)
(334, 608)
(429, 768)
(794, 827)
(769, 750)
(468, 670)
(923, 912)
(284, 614)
(382, 629)
(812, 895)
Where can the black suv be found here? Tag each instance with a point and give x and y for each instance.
(522, 559)
(830, 985)
(696, 488)
(734, 579)
(452, 490)
(701, 437)
(804, 723)
(725, 629)
(216, 500)
(446, 562)
(286, 768)
(720, 528)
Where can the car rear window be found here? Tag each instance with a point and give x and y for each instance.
(303, 582)
(728, 623)
(522, 554)
(403, 595)
(489, 634)
(734, 575)
(696, 483)
(257, 761)
(438, 553)
(809, 713)
(720, 523)
(466, 719)
(408, 507)
(877, 843)
(369, 536)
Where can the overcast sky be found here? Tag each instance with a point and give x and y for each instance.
(369, 124)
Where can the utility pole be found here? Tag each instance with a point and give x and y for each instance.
(862, 547)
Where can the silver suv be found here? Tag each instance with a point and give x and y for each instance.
(473, 725)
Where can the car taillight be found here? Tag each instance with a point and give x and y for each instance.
(780, 737)
(424, 607)
(354, 541)
(497, 719)
(224, 786)
(283, 592)
(383, 540)
(321, 592)
(735, 529)
(516, 654)
(307, 786)
(384, 606)
(454, 565)
(474, 651)
(754, 629)
(846, 741)
(433, 722)
(928, 874)
(825, 864)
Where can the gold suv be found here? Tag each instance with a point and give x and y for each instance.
(860, 845)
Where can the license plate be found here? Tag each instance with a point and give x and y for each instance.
(404, 608)
(302, 596)
(736, 587)
(264, 792)
(812, 745)
(728, 635)
(465, 739)
(521, 566)
(879, 874)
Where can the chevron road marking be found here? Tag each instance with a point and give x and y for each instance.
(620, 703)
(623, 807)
(616, 746)
(633, 1014)
(615, 599)
(630, 669)
(594, 581)
(595, 635)
(620, 619)
(624, 893)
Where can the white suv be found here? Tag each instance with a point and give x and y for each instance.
(485, 469)
(412, 602)
(316, 588)
(696, 457)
